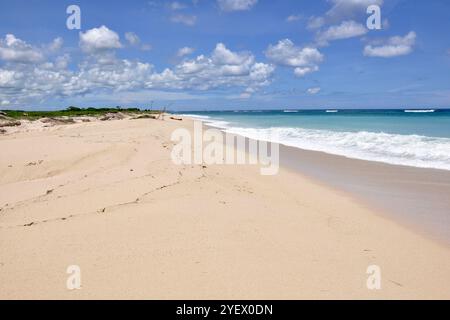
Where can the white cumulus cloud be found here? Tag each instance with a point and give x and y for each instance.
(185, 51)
(344, 9)
(52, 78)
(345, 30)
(393, 47)
(56, 44)
(305, 60)
(16, 50)
(99, 39)
(225, 68)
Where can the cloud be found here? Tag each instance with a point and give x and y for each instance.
(6, 76)
(186, 19)
(16, 50)
(99, 39)
(394, 46)
(56, 44)
(315, 22)
(224, 69)
(345, 30)
(342, 10)
(236, 5)
(185, 51)
(30, 83)
(303, 71)
(345, 9)
(177, 6)
(313, 91)
(132, 38)
(305, 60)
(62, 62)
(223, 56)
(294, 17)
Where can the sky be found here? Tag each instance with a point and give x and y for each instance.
(224, 54)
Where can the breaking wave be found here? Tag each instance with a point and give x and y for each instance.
(410, 150)
(420, 111)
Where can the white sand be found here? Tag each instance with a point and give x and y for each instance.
(106, 196)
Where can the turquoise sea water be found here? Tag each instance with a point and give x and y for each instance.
(418, 138)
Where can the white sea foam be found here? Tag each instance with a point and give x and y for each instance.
(420, 111)
(195, 116)
(218, 124)
(332, 111)
(410, 150)
(290, 111)
(211, 122)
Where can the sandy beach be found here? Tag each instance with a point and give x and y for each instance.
(106, 196)
(414, 197)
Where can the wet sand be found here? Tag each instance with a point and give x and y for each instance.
(416, 197)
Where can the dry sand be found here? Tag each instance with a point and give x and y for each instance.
(106, 196)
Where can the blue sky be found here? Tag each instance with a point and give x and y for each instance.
(225, 54)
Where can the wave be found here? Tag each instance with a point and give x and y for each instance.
(195, 116)
(210, 121)
(290, 111)
(420, 111)
(218, 124)
(332, 111)
(409, 150)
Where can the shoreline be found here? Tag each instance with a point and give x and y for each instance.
(403, 193)
(425, 147)
(107, 197)
(413, 197)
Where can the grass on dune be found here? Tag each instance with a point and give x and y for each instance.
(72, 112)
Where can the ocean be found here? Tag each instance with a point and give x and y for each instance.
(418, 138)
